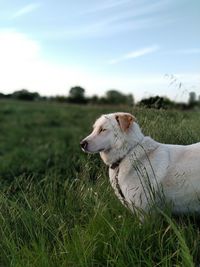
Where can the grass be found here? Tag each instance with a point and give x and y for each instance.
(57, 207)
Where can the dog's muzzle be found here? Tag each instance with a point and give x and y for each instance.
(84, 145)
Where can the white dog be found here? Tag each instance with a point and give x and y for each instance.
(142, 170)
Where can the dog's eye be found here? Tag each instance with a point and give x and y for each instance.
(102, 130)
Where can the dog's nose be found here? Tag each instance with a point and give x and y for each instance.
(84, 144)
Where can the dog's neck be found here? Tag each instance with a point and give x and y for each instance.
(123, 146)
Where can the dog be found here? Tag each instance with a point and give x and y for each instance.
(142, 171)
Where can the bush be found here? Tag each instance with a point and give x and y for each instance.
(25, 95)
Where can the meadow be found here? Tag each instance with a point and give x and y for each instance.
(57, 207)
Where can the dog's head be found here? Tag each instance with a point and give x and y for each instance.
(108, 132)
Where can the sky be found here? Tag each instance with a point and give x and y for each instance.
(143, 47)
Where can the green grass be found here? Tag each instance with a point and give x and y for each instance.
(57, 207)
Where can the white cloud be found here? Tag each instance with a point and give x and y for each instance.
(26, 10)
(135, 54)
(16, 47)
(22, 66)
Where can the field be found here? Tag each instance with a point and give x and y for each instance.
(57, 207)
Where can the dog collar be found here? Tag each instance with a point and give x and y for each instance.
(116, 164)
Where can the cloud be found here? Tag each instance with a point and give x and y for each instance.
(102, 28)
(104, 20)
(127, 9)
(135, 54)
(26, 10)
(23, 66)
(16, 47)
(106, 6)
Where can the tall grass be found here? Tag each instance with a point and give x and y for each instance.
(57, 207)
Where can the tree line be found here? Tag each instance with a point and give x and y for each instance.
(112, 97)
(77, 96)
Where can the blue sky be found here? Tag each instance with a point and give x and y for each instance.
(134, 46)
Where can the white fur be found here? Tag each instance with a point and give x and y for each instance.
(149, 170)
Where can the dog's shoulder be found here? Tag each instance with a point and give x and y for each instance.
(149, 144)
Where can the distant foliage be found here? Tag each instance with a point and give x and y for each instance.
(61, 99)
(111, 97)
(157, 102)
(5, 95)
(192, 97)
(77, 95)
(115, 97)
(25, 95)
(193, 102)
(2, 95)
(94, 99)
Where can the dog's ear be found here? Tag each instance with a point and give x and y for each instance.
(125, 121)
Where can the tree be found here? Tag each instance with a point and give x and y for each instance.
(115, 97)
(130, 100)
(25, 95)
(192, 99)
(77, 95)
(2, 95)
(94, 99)
(157, 102)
